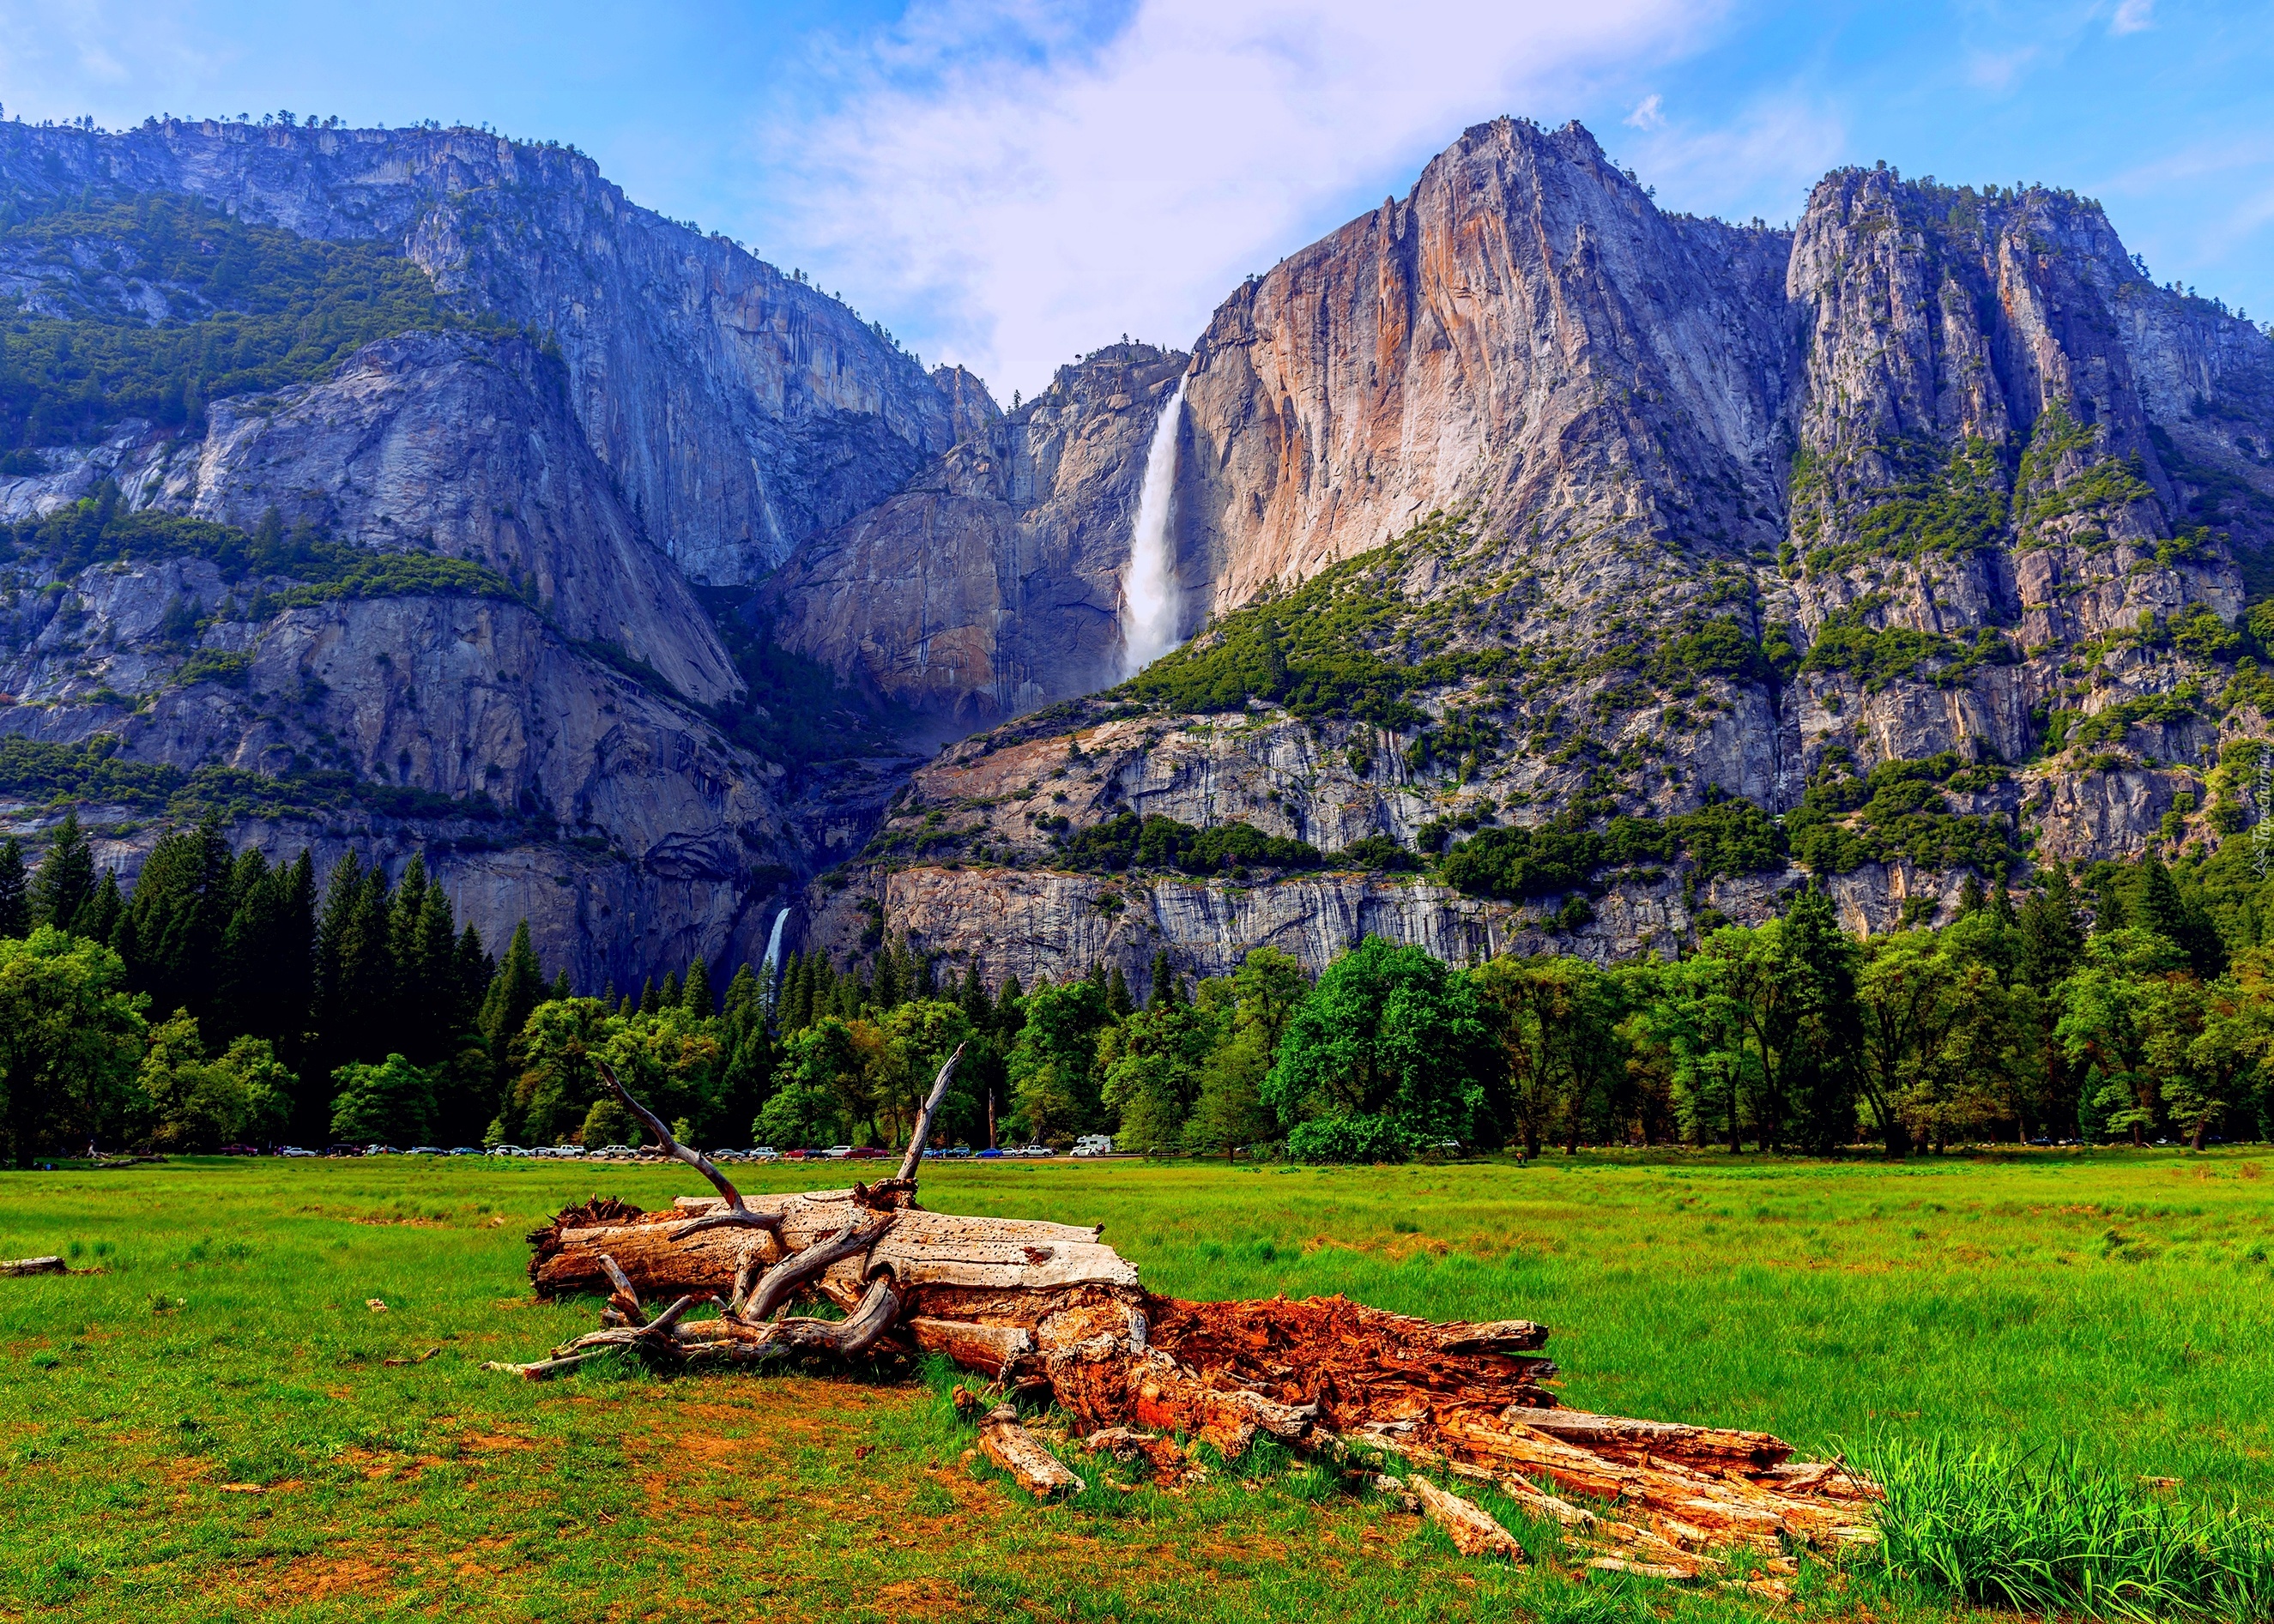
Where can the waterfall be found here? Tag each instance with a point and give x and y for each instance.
(1148, 584)
(770, 968)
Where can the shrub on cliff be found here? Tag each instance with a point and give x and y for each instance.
(247, 308)
(1127, 841)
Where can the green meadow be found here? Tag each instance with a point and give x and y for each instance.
(212, 1421)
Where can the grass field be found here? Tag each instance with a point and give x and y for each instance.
(208, 1427)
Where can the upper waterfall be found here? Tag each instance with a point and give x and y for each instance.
(1149, 607)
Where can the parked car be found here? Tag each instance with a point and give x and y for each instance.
(765, 1153)
(343, 1150)
(1034, 1150)
(380, 1150)
(838, 1153)
(293, 1150)
(988, 1154)
(867, 1153)
(464, 1150)
(507, 1150)
(424, 1150)
(239, 1150)
(1094, 1145)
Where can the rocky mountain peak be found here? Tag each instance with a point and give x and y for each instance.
(826, 415)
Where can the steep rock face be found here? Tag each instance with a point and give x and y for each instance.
(739, 409)
(539, 782)
(1938, 483)
(1990, 388)
(449, 441)
(624, 830)
(1526, 332)
(990, 584)
(1033, 924)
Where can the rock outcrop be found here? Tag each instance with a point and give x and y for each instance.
(454, 442)
(1612, 512)
(739, 409)
(548, 754)
(1937, 482)
(1523, 331)
(990, 584)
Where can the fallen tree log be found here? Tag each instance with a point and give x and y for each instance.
(1049, 1308)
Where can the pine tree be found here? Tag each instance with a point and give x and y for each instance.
(179, 911)
(15, 894)
(1116, 995)
(562, 988)
(2053, 934)
(746, 1005)
(2160, 909)
(1971, 898)
(267, 969)
(66, 881)
(666, 996)
(791, 1004)
(428, 972)
(695, 997)
(1168, 994)
(516, 989)
(355, 976)
(98, 917)
(650, 1000)
(886, 989)
(475, 970)
(2164, 910)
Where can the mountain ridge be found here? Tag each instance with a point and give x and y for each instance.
(1927, 517)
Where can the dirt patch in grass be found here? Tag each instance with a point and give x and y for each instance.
(321, 1578)
(921, 1598)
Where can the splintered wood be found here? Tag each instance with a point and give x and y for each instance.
(1048, 1309)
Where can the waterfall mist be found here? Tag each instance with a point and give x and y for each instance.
(1149, 607)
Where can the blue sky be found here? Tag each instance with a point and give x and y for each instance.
(1006, 183)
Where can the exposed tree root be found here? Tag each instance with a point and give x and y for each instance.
(1044, 1307)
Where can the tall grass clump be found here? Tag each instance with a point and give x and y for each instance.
(2052, 1536)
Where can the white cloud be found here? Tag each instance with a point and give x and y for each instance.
(1999, 71)
(1038, 191)
(65, 57)
(1761, 163)
(2234, 177)
(1649, 114)
(2133, 16)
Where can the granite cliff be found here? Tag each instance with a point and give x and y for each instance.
(1919, 532)
(989, 585)
(501, 724)
(1559, 572)
(599, 406)
(739, 409)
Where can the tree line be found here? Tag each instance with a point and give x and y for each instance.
(228, 999)
(2111, 1012)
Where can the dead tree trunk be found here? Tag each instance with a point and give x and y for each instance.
(1049, 1308)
